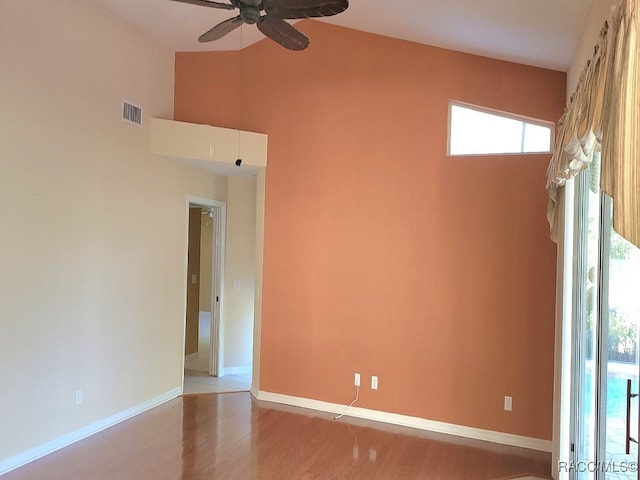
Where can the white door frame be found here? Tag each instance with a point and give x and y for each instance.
(216, 352)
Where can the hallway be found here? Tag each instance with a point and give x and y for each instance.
(196, 369)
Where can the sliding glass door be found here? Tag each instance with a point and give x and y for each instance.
(620, 314)
(606, 316)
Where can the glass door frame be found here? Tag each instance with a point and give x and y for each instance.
(602, 309)
(579, 314)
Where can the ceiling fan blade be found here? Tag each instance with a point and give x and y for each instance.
(304, 8)
(281, 32)
(221, 29)
(206, 3)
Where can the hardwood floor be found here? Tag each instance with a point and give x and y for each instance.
(232, 436)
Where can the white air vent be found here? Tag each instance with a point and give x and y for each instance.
(131, 113)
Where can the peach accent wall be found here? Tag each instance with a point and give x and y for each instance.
(383, 256)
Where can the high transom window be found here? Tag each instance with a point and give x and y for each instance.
(480, 131)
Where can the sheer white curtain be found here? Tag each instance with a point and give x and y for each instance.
(603, 115)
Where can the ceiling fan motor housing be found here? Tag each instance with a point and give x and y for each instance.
(249, 14)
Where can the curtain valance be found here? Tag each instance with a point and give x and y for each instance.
(603, 116)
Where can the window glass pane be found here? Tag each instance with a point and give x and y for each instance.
(623, 314)
(477, 132)
(537, 138)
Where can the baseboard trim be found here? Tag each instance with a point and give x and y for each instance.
(254, 391)
(45, 449)
(408, 421)
(246, 370)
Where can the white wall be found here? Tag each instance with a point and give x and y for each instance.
(259, 262)
(240, 266)
(600, 11)
(92, 227)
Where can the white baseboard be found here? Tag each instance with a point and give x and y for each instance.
(191, 356)
(27, 456)
(236, 371)
(408, 421)
(254, 391)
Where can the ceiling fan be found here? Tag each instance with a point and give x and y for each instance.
(272, 23)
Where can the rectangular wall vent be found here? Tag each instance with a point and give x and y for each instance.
(131, 113)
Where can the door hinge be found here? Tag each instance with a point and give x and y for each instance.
(217, 299)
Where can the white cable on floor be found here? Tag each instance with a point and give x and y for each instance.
(350, 405)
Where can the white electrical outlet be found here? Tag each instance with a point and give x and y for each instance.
(78, 397)
(356, 380)
(373, 455)
(508, 403)
(374, 383)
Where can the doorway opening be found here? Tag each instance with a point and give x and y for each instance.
(213, 325)
(205, 267)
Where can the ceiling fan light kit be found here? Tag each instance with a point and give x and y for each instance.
(272, 24)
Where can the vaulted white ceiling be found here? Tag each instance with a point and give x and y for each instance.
(534, 32)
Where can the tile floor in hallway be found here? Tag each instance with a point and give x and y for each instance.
(196, 368)
(201, 382)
